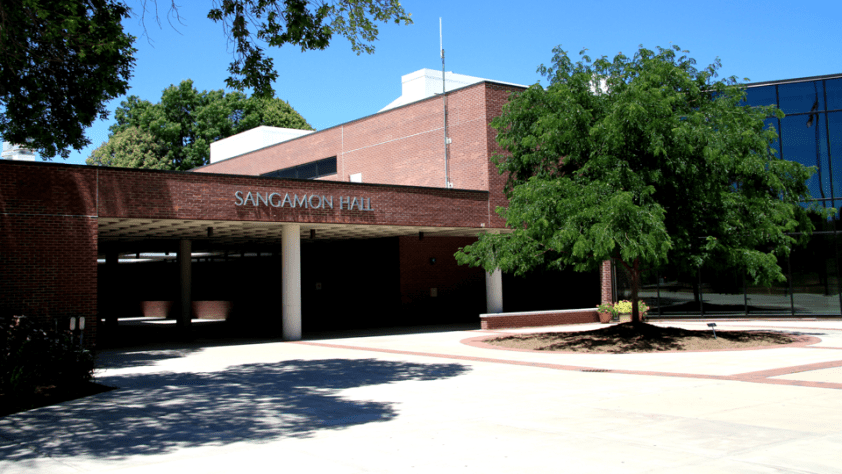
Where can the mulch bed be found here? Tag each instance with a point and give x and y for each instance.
(642, 337)
(50, 395)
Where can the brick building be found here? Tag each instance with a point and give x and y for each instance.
(352, 226)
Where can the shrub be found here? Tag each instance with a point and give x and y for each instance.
(33, 357)
(622, 307)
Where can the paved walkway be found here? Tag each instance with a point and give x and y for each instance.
(428, 402)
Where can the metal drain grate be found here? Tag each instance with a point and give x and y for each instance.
(596, 370)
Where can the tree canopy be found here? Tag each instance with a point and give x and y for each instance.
(176, 132)
(131, 148)
(645, 160)
(60, 62)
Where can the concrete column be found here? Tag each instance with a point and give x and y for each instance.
(494, 291)
(112, 260)
(185, 300)
(291, 284)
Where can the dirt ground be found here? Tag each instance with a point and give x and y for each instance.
(642, 337)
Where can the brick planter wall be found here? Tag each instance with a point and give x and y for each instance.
(539, 318)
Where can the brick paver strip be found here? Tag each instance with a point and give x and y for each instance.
(771, 328)
(752, 377)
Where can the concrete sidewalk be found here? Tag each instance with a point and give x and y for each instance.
(428, 402)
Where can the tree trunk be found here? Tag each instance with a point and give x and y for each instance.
(635, 290)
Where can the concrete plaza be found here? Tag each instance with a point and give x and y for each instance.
(428, 402)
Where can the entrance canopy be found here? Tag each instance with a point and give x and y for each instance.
(237, 232)
(57, 219)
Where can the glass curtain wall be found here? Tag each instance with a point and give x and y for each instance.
(811, 134)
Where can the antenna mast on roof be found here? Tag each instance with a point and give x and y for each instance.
(447, 183)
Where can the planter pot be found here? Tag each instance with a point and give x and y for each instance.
(604, 317)
(625, 317)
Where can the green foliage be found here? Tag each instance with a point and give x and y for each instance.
(60, 62)
(31, 357)
(646, 160)
(131, 148)
(305, 23)
(176, 133)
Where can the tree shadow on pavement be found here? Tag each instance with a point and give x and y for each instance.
(125, 359)
(158, 413)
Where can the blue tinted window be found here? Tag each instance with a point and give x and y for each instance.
(801, 97)
(756, 96)
(833, 89)
(835, 123)
(808, 146)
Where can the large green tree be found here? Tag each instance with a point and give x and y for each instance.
(645, 160)
(131, 148)
(62, 60)
(180, 128)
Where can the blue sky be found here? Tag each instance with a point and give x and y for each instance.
(500, 40)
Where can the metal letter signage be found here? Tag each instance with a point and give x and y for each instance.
(312, 201)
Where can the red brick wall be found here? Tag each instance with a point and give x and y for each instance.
(418, 275)
(496, 96)
(165, 195)
(403, 146)
(201, 309)
(48, 243)
(606, 282)
(156, 309)
(468, 151)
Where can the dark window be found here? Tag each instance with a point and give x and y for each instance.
(327, 166)
(311, 170)
(287, 173)
(308, 171)
(801, 97)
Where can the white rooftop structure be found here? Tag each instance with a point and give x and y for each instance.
(427, 83)
(250, 140)
(12, 151)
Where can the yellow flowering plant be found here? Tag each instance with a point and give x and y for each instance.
(622, 307)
